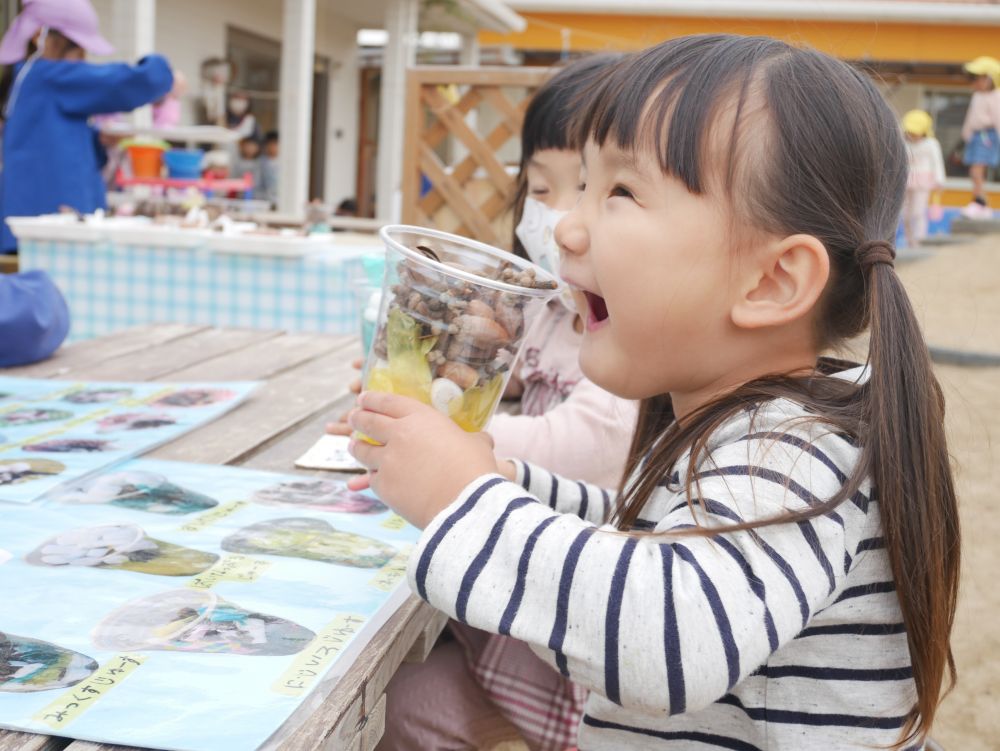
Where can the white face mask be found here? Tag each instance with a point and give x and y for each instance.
(537, 233)
(239, 106)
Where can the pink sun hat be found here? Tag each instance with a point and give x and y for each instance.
(74, 19)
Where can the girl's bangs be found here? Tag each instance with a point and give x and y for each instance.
(673, 99)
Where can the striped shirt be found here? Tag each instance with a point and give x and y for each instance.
(787, 637)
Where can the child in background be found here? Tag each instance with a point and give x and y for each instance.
(269, 169)
(566, 423)
(926, 174)
(215, 165)
(779, 569)
(980, 132)
(240, 117)
(248, 162)
(52, 156)
(496, 687)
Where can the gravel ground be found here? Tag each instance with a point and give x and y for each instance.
(956, 293)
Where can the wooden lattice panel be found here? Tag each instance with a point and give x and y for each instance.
(471, 193)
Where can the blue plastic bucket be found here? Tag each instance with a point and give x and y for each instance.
(184, 163)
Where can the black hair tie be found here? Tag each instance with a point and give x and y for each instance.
(874, 252)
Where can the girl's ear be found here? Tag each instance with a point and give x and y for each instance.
(781, 283)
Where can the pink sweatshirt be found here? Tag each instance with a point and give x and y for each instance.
(926, 164)
(567, 424)
(167, 114)
(983, 113)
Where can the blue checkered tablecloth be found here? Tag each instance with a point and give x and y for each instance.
(112, 286)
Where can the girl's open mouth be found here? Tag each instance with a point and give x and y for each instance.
(598, 310)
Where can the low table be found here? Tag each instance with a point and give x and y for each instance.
(305, 385)
(116, 274)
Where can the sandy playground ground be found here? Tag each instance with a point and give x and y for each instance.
(956, 293)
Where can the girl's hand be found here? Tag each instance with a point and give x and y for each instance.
(425, 459)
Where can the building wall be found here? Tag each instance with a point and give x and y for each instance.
(189, 31)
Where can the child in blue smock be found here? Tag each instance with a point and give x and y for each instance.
(51, 154)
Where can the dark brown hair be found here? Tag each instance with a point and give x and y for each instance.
(62, 43)
(799, 142)
(548, 121)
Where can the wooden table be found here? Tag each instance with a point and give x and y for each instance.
(305, 384)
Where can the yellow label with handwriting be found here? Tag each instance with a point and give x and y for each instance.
(60, 393)
(208, 518)
(313, 661)
(146, 400)
(395, 522)
(390, 574)
(60, 428)
(89, 417)
(231, 568)
(76, 700)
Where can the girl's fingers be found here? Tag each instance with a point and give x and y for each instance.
(360, 482)
(374, 425)
(338, 428)
(365, 453)
(392, 405)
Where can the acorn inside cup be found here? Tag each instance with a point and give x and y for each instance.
(454, 314)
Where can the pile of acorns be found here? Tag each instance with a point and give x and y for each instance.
(476, 328)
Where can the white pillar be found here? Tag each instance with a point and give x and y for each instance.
(342, 123)
(133, 31)
(469, 52)
(298, 49)
(400, 53)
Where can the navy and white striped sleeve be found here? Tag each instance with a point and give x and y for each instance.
(661, 623)
(587, 501)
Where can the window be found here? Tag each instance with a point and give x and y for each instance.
(947, 107)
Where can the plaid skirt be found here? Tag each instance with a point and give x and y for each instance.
(545, 707)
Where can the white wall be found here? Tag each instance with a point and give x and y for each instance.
(188, 31)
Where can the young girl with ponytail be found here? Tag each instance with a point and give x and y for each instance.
(779, 567)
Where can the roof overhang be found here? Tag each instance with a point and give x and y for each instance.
(888, 11)
(470, 16)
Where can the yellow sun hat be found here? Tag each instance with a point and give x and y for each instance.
(985, 66)
(919, 123)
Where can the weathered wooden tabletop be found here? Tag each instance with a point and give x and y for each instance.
(305, 384)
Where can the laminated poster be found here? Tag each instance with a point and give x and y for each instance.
(52, 432)
(192, 607)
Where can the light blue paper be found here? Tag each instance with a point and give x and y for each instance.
(192, 700)
(80, 427)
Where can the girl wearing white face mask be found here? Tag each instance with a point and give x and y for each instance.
(479, 688)
(565, 421)
(240, 118)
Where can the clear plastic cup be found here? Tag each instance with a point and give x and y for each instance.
(452, 318)
(194, 620)
(120, 546)
(367, 300)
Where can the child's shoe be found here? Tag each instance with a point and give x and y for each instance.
(976, 210)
